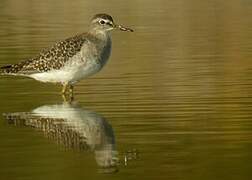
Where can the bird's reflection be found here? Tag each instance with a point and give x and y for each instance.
(74, 127)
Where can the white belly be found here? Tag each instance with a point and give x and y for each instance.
(85, 63)
(69, 74)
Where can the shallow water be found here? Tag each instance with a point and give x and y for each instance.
(173, 102)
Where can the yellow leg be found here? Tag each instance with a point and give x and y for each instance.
(71, 92)
(71, 88)
(67, 92)
(64, 89)
(64, 98)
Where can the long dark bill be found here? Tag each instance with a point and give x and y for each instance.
(122, 28)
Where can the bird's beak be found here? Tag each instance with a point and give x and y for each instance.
(122, 28)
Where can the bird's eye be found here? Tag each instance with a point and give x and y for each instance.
(102, 22)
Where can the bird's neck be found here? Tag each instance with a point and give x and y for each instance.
(100, 34)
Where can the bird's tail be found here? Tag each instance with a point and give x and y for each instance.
(15, 69)
(9, 69)
(5, 69)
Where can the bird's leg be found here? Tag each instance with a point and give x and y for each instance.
(64, 98)
(71, 88)
(67, 92)
(71, 92)
(64, 89)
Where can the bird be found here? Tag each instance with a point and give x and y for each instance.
(68, 61)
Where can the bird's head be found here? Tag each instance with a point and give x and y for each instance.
(104, 22)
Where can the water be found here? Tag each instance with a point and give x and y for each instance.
(174, 101)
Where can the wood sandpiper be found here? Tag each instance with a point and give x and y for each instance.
(72, 59)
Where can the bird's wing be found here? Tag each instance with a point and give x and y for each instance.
(48, 59)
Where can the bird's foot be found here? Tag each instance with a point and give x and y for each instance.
(67, 98)
(67, 93)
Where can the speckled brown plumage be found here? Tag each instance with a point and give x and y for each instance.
(69, 61)
(48, 59)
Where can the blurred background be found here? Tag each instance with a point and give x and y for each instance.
(176, 92)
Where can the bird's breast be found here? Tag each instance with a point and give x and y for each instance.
(90, 60)
(105, 52)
